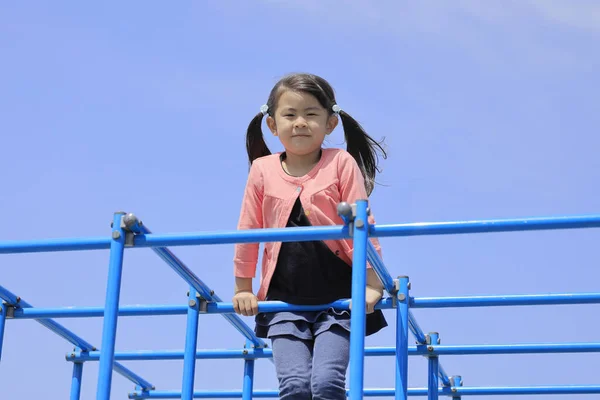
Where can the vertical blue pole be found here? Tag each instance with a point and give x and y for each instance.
(358, 315)
(433, 369)
(402, 338)
(191, 340)
(3, 309)
(248, 384)
(111, 308)
(456, 382)
(76, 380)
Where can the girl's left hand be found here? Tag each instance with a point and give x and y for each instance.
(372, 298)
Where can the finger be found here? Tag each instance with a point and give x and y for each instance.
(254, 305)
(350, 305)
(236, 306)
(247, 308)
(242, 307)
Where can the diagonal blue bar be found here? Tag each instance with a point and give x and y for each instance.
(71, 337)
(3, 309)
(415, 328)
(202, 288)
(379, 267)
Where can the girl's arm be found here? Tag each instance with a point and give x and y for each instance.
(352, 188)
(246, 254)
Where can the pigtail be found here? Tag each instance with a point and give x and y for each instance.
(255, 142)
(363, 148)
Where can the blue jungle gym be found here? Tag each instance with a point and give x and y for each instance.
(128, 231)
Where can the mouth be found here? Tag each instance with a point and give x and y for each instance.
(301, 135)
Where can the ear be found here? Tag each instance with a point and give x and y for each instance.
(332, 123)
(272, 126)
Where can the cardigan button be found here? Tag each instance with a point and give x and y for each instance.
(299, 189)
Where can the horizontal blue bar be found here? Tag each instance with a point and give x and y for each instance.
(66, 334)
(505, 300)
(446, 391)
(152, 309)
(419, 350)
(272, 306)
(50, 245)
(244, 236)
(86, 312)
(307, 233)
(487, 226)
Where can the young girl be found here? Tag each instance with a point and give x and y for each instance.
(302, 186)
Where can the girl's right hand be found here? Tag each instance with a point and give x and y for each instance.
(245, 303)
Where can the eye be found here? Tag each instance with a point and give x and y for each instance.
(312, 114)
(288, 115)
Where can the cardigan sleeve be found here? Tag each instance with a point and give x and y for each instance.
(251, 217)
(352, 188)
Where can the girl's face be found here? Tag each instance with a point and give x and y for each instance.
(301, 123)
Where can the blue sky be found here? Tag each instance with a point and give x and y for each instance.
(488, 111)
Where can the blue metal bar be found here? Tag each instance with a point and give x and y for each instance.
(487, 226)
(402, 339)
(191, 340)
(133, 377)
(415, 328)
(10, 297)
(50, 245)
(334, 232)
(3, 309)
(379, 267)
(203, 289)
(86, 312)
(358, 314)
(76, 381)
(420, 350)
(456, 382)
(153, 309)
(55, 327)
(220, 307)
(433, 371)
(248, 382)
(69, 336)
(443, 375)
(446, 391)
(307, 233)
(113, 289)
(505, 300)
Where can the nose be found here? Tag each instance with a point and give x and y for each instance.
(300, 123)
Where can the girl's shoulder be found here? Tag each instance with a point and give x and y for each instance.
(340, 157)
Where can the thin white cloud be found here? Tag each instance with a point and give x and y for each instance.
(492, 32)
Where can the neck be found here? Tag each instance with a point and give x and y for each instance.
(297, 165)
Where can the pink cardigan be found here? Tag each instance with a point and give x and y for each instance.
(270, 195)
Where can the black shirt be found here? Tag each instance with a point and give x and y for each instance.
(309, 273)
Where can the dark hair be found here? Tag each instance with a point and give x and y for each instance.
(360, 145)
